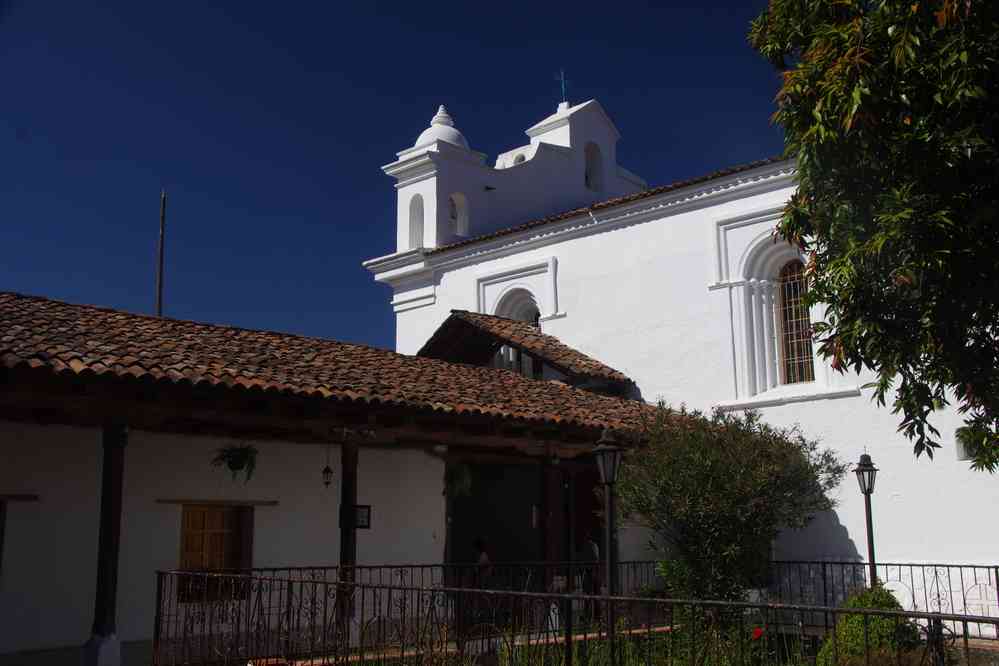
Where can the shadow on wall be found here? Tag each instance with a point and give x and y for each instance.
(825, 538)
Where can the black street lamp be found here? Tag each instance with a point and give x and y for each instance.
(866, 474)
(608, 457)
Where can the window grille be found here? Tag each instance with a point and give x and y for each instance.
(794, 326)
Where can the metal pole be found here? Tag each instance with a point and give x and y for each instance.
(870, 541)
(609, 557)
(570, 545)
(159, 265)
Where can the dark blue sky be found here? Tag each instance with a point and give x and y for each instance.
(267, 124)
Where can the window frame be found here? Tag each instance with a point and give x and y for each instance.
(795, 350)
(197, 589)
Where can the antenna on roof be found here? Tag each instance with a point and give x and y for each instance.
(560, 77)
(159, 265)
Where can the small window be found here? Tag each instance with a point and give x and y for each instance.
(519, 159)
(794, 326)
(511, 358)
(215, 538)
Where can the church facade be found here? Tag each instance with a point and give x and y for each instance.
(683, 289)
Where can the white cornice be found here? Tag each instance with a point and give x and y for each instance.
(747, 183)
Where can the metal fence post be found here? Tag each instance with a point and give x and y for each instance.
(158, 621)
(287, 618)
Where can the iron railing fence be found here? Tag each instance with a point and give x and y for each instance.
(948, 588)
(940, 588)
(259, 620)
(633, 577)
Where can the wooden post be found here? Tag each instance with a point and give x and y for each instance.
(114, 438)
(103, 647)
(348, 538)
(348, 500)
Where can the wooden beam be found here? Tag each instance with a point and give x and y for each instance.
(224, 411)
(209, 502)
(22, 497)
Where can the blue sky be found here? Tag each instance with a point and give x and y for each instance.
(267, 124)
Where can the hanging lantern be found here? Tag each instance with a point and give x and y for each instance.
(327, 471)
(608, 457)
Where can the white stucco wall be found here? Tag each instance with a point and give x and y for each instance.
(50, 551)
(658, 293)
(49, 554)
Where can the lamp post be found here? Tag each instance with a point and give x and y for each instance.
(608, 457)
(866, 474)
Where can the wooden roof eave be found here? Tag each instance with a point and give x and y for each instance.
(41, 396)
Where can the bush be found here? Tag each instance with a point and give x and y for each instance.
(885, 636)
(716, 490)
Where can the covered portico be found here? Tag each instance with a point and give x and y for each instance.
(143, 403)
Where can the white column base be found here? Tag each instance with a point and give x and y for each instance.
(102, 651)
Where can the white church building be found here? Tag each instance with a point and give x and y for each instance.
(683, 289)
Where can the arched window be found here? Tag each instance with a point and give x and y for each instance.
(594, 167)
(519, 304)
(776, 324)
(457, 214)
(416, 222)
(793, 325)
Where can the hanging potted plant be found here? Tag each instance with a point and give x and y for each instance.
(237, 459)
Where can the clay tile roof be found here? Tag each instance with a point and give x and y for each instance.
(446, 342)
(609, 203)
(63, 338)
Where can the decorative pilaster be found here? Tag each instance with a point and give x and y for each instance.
(749, 305)
(768, 348)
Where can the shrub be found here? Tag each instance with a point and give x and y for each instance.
(884, 636)
(716, 490)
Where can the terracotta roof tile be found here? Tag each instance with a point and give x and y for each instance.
(609, 203)
(33, 330)
(527, 337)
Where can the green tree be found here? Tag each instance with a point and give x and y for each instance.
(890, 109)
(716, 490)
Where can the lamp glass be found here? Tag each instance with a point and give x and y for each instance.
(608, 460)
(866, 474)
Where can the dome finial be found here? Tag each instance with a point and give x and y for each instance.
(442, 129)
(442, 117)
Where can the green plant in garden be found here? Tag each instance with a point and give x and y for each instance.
(891, 109)
(882, 637)
(716, 490)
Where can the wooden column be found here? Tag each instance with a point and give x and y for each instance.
(348, 540)
(113, 440)
(348, 499)
(544, 516)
